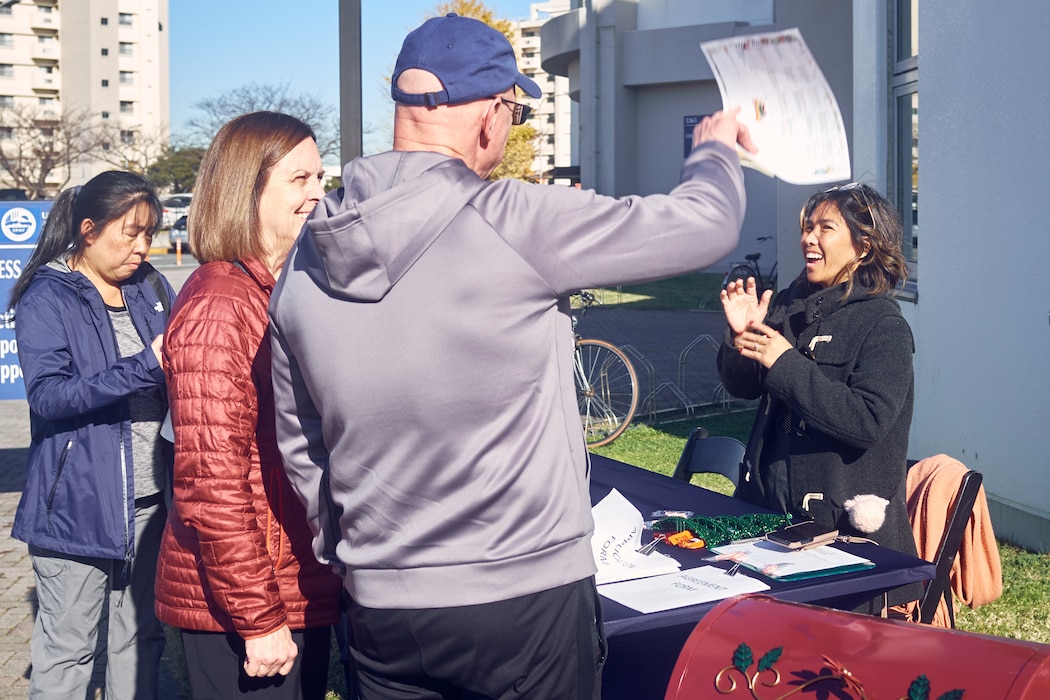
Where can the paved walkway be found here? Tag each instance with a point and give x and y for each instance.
(663, 345)
(17, 597)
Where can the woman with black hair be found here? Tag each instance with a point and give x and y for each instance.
(89, 318)
(831, 359)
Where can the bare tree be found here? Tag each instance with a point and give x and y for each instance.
(38, 147)
(216, 111)
(131, 147)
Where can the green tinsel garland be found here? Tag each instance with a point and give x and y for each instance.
(722, 529)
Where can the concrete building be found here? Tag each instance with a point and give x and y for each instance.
(552, 116)
(639, 78)
(108, 58)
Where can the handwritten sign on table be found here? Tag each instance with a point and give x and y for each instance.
(617, 537)
(690, 587)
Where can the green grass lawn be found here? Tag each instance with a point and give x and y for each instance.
(1023, 611)
(696, 291)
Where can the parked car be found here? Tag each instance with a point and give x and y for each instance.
(175, 205)
(178, 233)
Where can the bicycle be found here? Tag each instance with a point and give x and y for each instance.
(750, 268)
(606, 383)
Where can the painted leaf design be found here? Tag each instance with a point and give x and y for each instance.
(919, 688)
(952, 695)
(769, 660)
(742, 658)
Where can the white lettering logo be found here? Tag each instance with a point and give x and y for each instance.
(18, 224)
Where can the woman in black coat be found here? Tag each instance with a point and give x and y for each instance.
(831, 359)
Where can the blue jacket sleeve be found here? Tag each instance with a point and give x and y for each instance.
(71, 368)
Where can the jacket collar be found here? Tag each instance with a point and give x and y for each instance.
(820, 302)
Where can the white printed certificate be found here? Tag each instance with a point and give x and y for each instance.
(785, 102)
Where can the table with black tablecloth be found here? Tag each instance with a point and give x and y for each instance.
(643, 647)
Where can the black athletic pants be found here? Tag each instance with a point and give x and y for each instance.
(215, 666)
(544, 646)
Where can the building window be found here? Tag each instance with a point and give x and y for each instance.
(104, 21)
(105, 115)
(905, 121)
(105, 83)
(7, 70)
(127, 48)
(7, 133)
(6, 10)
(127, 137)
(125, 19)
(105, 52)
(7, 40)
(7, 101)
(127, 77)
(127, 107)
(46, 102)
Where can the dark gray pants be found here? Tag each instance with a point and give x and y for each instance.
(72, 593)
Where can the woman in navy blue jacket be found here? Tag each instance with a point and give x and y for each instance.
(89, 321)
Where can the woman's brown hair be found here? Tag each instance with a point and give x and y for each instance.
(874, 224)
(223, 222)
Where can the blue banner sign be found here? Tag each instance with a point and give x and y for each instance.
(20, 227)
(690, 122)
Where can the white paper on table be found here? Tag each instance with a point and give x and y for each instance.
(785, 102)
(690, 587)
(616, 539)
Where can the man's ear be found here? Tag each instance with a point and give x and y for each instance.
(488, 121)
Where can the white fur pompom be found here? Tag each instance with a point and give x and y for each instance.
(867, 511)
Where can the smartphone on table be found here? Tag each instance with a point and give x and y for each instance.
(803, 535)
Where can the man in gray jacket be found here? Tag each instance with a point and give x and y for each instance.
(423, 375)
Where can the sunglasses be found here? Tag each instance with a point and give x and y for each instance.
(519, 113)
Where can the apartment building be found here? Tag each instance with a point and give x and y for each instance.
(105, 61)
(552, 116)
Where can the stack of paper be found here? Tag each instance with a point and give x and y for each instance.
(617, 537)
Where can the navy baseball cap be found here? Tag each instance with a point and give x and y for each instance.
(472, 60)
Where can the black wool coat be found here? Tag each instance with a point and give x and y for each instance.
(849, 387)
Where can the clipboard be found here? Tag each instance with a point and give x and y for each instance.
(781, 564)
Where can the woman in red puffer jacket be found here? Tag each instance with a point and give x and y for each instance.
(237, 573)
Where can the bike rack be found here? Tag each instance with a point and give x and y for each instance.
(721, 396)
(640, 360)
(651, 399)
(684, 356)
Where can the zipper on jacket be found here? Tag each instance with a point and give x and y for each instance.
(58, 475)
(128, 511)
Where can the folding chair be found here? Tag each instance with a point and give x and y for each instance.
(955, 527)
(710, 455)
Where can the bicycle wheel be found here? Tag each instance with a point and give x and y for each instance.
(741, 272)
(606, 390)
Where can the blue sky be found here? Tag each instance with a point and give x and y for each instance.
(218, 45)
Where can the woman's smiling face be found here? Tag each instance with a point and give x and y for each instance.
(292, 190)
(828, 247)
